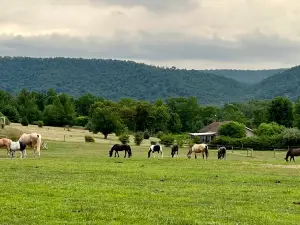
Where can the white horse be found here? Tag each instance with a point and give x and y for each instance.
(155, 148)
(33, 140)
(17, 145)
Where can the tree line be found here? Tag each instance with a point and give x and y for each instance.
(173, 115)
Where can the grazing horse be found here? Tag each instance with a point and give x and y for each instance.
(174, 150)
(198, 148)
(33, 140)
(292, 153)
(17, 145)
(155, 148)
(120, 147)
(4, 142)
(222, 153)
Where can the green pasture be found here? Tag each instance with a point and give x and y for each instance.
(77, 183)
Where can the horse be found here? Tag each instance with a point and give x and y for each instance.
(5, 142)
(292, 153)
(17, 145)
(120, 147)
(198, 148)
(32, 140)
(174, 150)
(155, 148)
(222, 153)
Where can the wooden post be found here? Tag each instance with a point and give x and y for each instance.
(274, 153)
(64, 137)
(251, 152)
(247, 151)
(231, 149)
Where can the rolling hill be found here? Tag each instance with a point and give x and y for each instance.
(115, 79)
(246, 76)
(286, 83)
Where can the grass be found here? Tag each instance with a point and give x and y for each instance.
(77, 183)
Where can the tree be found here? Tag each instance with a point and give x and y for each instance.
(83, 104)
(233, 129)
(106, 121)
(231, 112)
(11, 113)
(269, 129)
(281, 111)
(297, 113)
(174, 124)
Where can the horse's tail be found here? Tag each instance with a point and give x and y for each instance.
(149, 153)
(287, 155)
(206, 150)
(38, 142)
(129, 151)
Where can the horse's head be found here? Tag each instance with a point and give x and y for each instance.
(189, 152)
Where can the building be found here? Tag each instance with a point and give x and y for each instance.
(208, 133)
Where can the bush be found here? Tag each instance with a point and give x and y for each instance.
(269, 129)
(7, 122)
(124, 138)
(89, 138)
(24, 121)
(159, 134)
(196, 140)
(290, 136)
(233, 129)
(146, 134)
(11, 133)
(40, 123)
(138, 138)
(153, 142)
(167, 140)
(81, 121)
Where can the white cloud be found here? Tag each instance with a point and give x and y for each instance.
(193, 34)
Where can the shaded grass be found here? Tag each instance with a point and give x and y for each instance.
(77, 183)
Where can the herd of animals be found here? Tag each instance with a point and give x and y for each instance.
(195, 148)
(34, 140)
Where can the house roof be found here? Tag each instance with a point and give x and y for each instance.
(214, 127)
(203, 134)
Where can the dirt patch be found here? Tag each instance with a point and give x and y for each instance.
(283, 166)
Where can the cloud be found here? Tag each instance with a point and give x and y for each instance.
(193, 34)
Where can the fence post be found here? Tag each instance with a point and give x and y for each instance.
(274, 153)
(64, 137)
(247, 151)
(251, 152)
(232, 149)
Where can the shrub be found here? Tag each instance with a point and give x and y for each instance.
(40, 123)
(11, 133)
(89, 138)
(138, 138)
(290, 136)
(167, 140)
(159, 134)
(196, 140)
(81, 121)
(180, 143)
(7, 122)
(269, 129)
(24, 121)
(153, 142)
(124, 138)
(233, 129)
(146, 134)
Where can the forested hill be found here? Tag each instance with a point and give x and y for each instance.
(114, 79)
(284, 84)
(246, 76)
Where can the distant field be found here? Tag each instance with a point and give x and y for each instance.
(74, 135)
(77, 183)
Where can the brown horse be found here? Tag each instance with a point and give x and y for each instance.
(198, 148)
(4, 142)
(292, 153)
(33, 140)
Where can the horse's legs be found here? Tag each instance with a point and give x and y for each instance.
(203, 155)
(162, 154)
(125, 153)
(195, 155)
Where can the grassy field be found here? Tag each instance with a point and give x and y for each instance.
(77, 183)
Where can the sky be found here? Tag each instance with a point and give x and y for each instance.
(191, 34)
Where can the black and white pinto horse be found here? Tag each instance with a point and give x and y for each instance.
(155, 148)
(174, 150)
(120, 147)
(222, 153)
(17, 145)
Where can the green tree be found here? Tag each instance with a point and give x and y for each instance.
(231, 112)
(269, 129)
(281, 111)
(11, 113)
(297, 113)
(84, 102)
(54, 114)
(233, 129)
(174, 124)
(106, 121)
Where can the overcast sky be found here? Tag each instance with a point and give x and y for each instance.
(199, 34)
